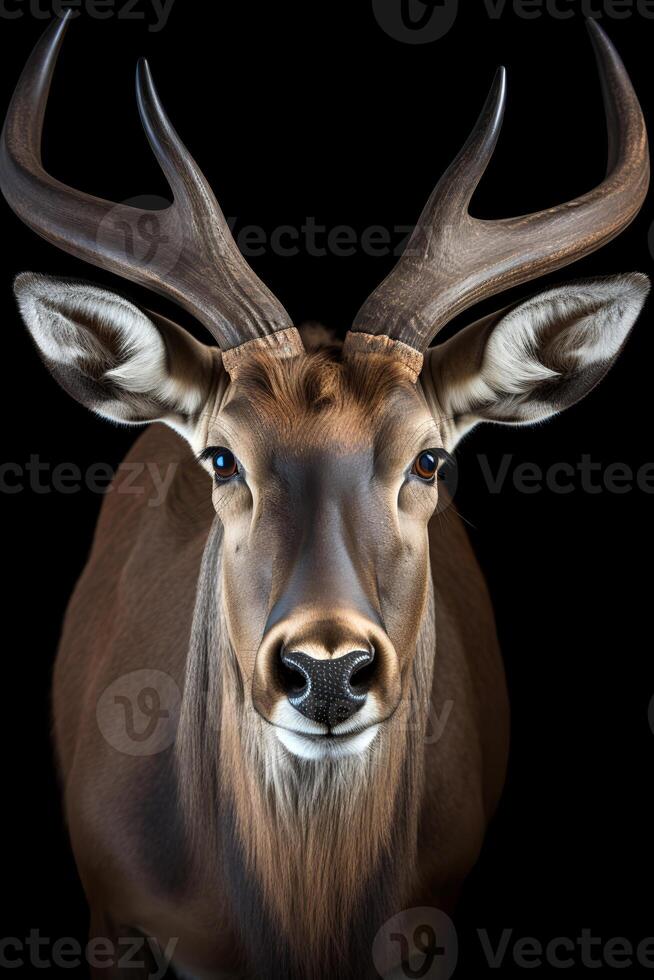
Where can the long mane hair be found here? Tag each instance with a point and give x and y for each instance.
(316, 854)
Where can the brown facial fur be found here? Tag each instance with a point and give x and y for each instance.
(325, 536)
(325, 525)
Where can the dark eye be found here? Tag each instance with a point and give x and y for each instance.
(224, 464)
(425, 465)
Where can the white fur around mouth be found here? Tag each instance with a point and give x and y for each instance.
(311, 740)
(326, 746)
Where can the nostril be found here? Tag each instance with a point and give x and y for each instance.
(328, 690)
(292, 676)
(363, 671)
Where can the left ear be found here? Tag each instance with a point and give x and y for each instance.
(123, 364)
(531, 361)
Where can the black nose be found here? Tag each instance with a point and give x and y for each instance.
(326, 691)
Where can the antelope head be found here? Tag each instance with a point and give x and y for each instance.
(323, 464)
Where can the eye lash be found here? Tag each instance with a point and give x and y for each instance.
(444, 456)
(206, 454)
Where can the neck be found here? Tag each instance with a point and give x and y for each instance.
(319, 852)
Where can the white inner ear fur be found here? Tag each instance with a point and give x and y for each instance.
(73, 323)
(574, 326)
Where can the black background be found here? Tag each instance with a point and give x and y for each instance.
(300, 110)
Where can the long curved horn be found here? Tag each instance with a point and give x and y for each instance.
(452, 260)
(190, 254)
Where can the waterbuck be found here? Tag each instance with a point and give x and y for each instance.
(275, 635)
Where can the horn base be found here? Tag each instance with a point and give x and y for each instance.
(368, 343)
(282, 343)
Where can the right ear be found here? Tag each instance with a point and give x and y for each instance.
(115, 360)
(534, 359)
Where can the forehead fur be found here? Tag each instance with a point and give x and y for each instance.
(320, 384)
